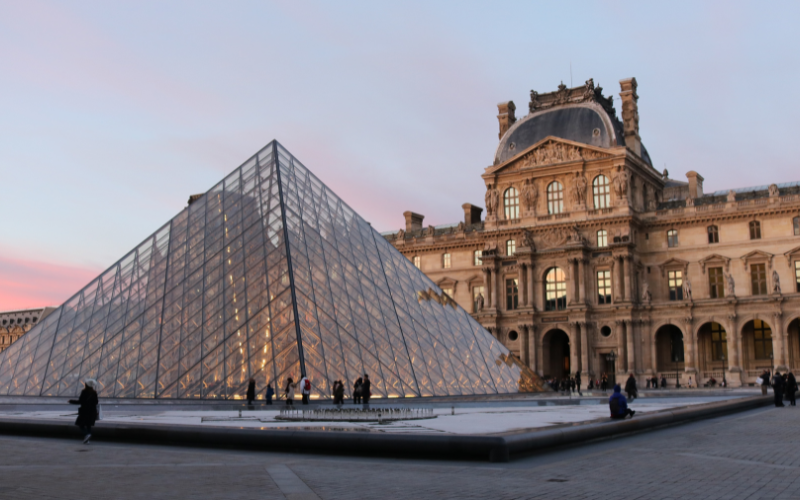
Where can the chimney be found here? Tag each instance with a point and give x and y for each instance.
(630, 115)
(413, 221)
(472, 214)
(695, 184)
(505, 117)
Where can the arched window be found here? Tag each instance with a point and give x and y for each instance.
(555, 290)
(602, 238)
(755, 230)
(672, 238)
(713, 234)
(762, 339)
(511, 203)
(601, 191)
(511, 247)
(796, 223)
(555, 198)
(719, 342)
(446, 261)
(477, 258)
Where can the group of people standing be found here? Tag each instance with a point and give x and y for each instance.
(784, 387)
(362, 391)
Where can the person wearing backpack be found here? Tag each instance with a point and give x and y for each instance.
(618, 404)
(305, 389)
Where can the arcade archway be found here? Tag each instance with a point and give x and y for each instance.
(555, 347)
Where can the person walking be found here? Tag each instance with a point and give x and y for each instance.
(289, 392)
(777, 389)
(338, 393)
(630, 387)
(764, 382)
(270, 393)
(791, 388)
(365, 390)
(357, 388)
(604, 382)
(305, 389)
(251, 391)
(578, 383)
(618, 405)
(663, 381)
(87, 412)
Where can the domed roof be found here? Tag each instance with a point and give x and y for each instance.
(580, 114)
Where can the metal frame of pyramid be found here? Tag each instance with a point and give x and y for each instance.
(268, 275)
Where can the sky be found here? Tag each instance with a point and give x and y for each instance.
(113, 113)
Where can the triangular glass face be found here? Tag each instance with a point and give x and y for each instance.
(267, 276)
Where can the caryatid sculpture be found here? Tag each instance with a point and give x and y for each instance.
(529, 195)
(492, 200)
(776, 282)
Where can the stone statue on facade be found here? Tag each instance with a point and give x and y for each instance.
(773, 190)
(529, 195)
(460, 227)
(646, 296)
(731, 196)
(620, 182)
(690, 202)
(527, 239)
(431, 231)
(489, 246)
(730, 285)
(492, 200)
(479, 303)
(776, 282)
(687, 289)
(579, 189)
(401, 235)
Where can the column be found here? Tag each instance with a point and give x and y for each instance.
(584, 351)
(486, 289)
(499, 289)
(628, 272)
(532, 350)
(581, 281)
(621, 348)
(630, 336)
(653, 346)
(779, 334)
(690, 346)
(524, 351)
(574, 348)
(531, 288)
(616, 279)
(493, 286)
(523, 282)
(735, 337)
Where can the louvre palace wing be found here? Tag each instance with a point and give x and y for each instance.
(268, 275)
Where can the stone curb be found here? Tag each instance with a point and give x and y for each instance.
(497, 448)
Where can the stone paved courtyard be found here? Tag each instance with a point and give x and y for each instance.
(748, 455)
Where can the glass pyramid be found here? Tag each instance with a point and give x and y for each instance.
(268, 275)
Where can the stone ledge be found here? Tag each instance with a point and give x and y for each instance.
(495, 448)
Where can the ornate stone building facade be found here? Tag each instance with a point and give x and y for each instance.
(15, 324)
(589, 260)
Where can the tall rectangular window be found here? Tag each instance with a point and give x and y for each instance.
(797, 274)
(511, 247)
(758, 279)
(716, 283)
(796, 224)
(477, 297)
(755, 230)
(417, 261)
(477, 258)
(446, 261)
(602, 238)
(762, 339)
(713, 234)
(604, 287)
(672, 238)
(675, 279)
(512, 294)
(719, 342)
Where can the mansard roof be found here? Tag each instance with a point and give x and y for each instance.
(579, 114)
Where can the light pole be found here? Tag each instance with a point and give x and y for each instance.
(724, 383)
(677, 380)
(611, 357)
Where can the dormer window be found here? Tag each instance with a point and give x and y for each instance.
(511, 247)
(446, 261)
(602, 238)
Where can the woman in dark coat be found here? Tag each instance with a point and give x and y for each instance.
(791, 388)
(87, 413)
(251, 391)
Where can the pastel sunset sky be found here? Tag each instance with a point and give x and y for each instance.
(113, 113)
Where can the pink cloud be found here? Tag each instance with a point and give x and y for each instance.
(28, 283)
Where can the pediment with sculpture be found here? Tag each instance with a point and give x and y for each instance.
(550, 151)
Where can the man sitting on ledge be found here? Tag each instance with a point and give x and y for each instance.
(618, 404)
